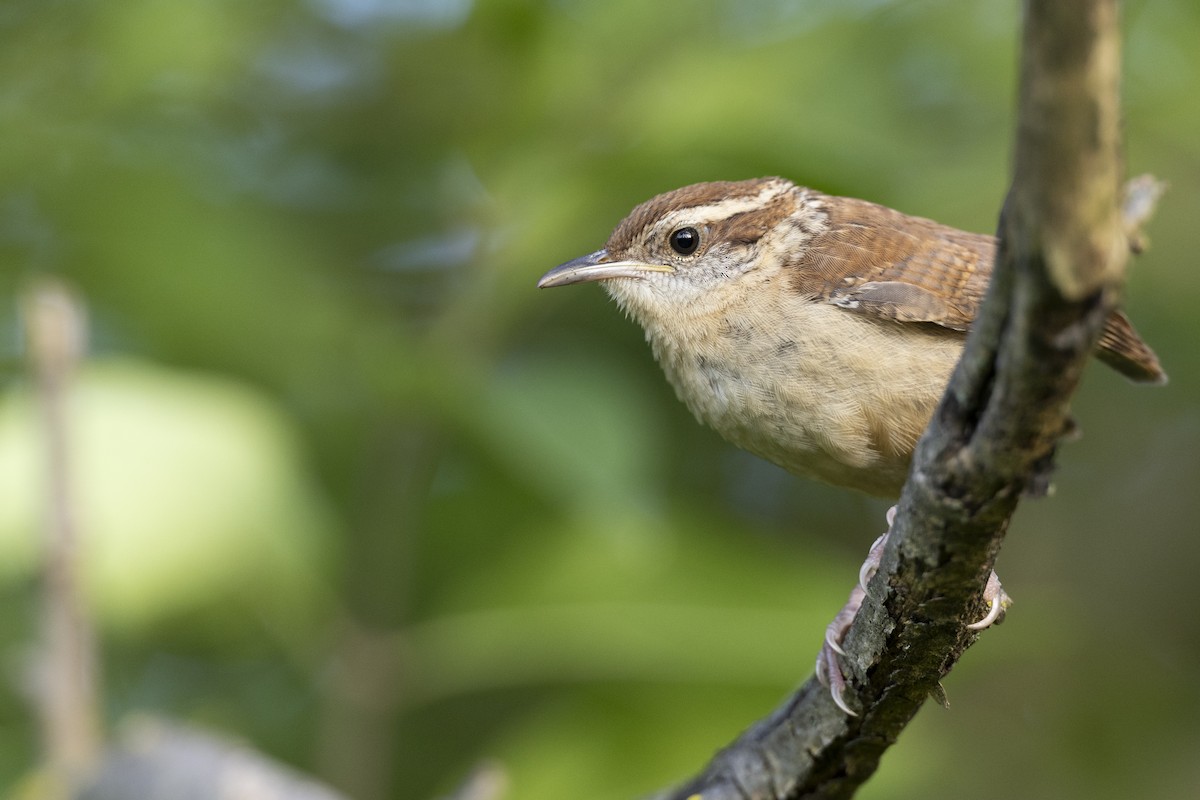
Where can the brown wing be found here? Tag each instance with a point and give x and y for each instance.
(882, 263)
(889, 265)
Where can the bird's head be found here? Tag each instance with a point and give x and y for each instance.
(677, 248)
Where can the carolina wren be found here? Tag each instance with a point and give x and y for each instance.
(817, 332)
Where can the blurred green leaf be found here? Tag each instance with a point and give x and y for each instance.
(189, 487)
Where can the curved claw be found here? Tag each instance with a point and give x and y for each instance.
(836, 630)
(988, 618)
(875, 554)
(831, 641)
(829, 669)
(829, 673)
(998, 602)
(836, 693)
(871, 564)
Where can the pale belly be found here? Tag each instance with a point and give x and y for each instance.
(829, 394)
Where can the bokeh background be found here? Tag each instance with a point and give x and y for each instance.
(357, 494)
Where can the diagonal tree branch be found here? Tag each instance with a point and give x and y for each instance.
(1059, 265)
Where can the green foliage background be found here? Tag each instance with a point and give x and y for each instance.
(362, 496)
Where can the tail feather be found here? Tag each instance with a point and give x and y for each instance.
(1123, 349)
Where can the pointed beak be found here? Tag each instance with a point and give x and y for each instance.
(596, 267)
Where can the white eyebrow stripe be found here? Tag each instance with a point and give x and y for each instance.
(726, 207)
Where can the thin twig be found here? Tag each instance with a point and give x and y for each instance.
(66, 684)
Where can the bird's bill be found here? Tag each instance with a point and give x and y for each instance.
(596, 267)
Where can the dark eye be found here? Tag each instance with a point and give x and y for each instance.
(684, 241)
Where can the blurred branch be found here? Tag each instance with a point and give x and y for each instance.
(487, 781)
(1062, 253)
(367, 684)
(66, 681)
(158, 760)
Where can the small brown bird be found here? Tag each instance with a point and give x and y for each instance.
(817, 332)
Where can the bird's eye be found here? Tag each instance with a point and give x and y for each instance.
(684, 241)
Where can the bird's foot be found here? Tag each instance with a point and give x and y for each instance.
(829, 668)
